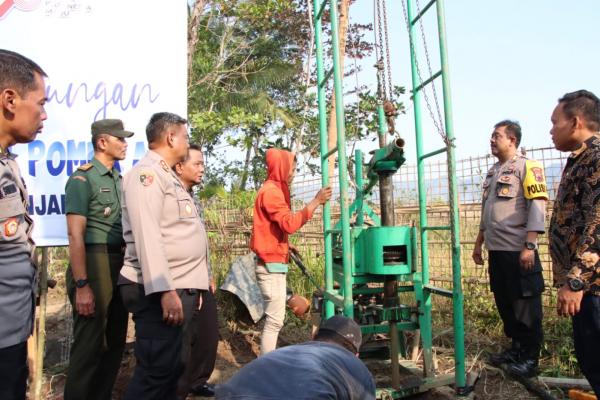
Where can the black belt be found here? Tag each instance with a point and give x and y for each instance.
(105, 248)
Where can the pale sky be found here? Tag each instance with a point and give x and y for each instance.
(508, 59)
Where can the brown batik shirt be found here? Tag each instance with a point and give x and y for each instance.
(575, 225)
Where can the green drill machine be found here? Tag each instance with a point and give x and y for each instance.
(370, 261)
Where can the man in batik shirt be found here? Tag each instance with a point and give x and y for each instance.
(575, 226)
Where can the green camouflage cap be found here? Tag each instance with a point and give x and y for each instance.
(113, 127)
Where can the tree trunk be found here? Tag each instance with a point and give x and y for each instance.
(332, 127)
(193, 23)
(246, 170)
(255, 172)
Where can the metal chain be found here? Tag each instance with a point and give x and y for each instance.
(387, 50)
(425, 97)
(379, 53)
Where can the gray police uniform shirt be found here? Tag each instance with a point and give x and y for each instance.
(165, 238)
(308, 371)
(506, 214)
(17, 270)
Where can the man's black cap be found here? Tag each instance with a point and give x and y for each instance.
(345, 327)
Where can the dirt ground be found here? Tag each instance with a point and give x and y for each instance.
(239, 344)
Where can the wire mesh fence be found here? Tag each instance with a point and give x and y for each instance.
(470, 173)
(229, 222)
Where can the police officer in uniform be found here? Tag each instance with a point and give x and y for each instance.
(201, 338)
(513, 212)
(93, 208)
(165, 267)
(22, 99)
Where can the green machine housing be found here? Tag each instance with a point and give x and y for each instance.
(383, 250)
(371, 269)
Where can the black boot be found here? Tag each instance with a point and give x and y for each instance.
(508, 356)
(206, 390)
(526, 367)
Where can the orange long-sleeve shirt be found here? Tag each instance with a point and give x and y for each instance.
(273, 218)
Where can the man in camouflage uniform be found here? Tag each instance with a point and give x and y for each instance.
(512, 216)
(22, 99)
(575, 226)
(93, 208)
(201, 336)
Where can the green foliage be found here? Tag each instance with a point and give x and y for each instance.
(558, 358)
(243, 66)
(315, 265)
(248, 86)
(361, 116)
(213, 190)
(215, 196)
(481, 315)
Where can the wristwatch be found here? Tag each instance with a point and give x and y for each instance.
(575, 284)
(81, 283)
(531, 246)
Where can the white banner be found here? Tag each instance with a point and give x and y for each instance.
(121, 59)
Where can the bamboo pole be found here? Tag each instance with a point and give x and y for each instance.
(565, 382)
(41, 331)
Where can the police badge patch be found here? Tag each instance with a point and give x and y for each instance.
(538, 173)
(534, 184)
(10, 227)
(146, 178)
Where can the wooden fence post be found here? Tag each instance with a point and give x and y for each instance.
(41, 327)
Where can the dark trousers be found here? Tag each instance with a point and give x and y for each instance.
(13, 372)
(157, 345)
(98, 341)
(200, 342)
(586, 333)
(518, 298)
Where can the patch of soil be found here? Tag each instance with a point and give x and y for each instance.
(239, 344)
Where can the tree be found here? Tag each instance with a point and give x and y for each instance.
(243, 60)
(250, 70)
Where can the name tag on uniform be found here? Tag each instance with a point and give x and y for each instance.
(7, 190)
(105, 190)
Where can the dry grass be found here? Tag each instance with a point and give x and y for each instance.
(229, 231)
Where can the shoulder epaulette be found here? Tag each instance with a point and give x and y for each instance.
(85, 167)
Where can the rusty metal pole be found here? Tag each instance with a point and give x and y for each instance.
(390, 285)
